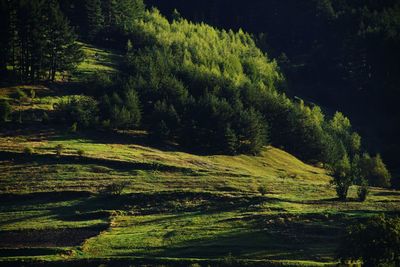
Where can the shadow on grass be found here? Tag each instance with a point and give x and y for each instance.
(387, 193)
(21, 158)
(273, 236)
(57, 132)
(297, 240)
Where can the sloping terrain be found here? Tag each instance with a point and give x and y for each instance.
(175, 205)
(93, 197)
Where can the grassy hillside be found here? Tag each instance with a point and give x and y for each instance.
(175, 207)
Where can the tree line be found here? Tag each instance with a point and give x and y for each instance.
(341, 54)
(215, 91)
(37, 42)
(209, 90)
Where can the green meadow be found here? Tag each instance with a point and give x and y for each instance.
(171, 207)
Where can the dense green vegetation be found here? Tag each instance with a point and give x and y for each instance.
(210, 90)
(376, 242)
(340, 54)
(37, 41)
(155, 141)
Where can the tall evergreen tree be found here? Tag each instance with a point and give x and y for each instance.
(95, 18)
(40, 41)
(62, 51)
(5, 35)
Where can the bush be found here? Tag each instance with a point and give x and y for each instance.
(106, 124)
(342, 177)
(73, 127)
(363, 191)
(376, 242)
(262, 189)
(115, 189)
(28, 151)
(20, 94)
(5, 110)
(59, 149)
(121, 111)
(33, 94)
(375, 171)
(379, 175)
(45, 118)
(99, 82)
(80, 152)
(82, 110)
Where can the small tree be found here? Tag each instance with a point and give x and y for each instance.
(363, 191)
(380, 175)
(262, 189)
(80, 153)
(79, 109)
(45, 118)
(33, 94)
(73, 127)
(115, 189)
(231, 141)
(59, 149)
(375, 171)
(28, 151)
(5, 111)
(342, 177)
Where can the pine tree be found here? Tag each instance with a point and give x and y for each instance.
(62, 51)
(231, 141)
(95, 18)
(121, 14)
(39, 42)
(132, 104)
(5, 110)
(253, 132)
(5, 36)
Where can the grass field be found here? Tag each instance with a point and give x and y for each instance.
(176, 205)
(176, 208)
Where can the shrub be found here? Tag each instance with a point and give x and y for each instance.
(45, 118)
(5, 110)
(59, 149)
(374, 170)
(100, 169)
(83, 110)
(80, 152)
(106, 124)
(99, 82)
(20, 94)
(262, 189)
(28, 151)
(122, 110)
(115, 189)
(73, 127)
(363, 191)
(33, 94)
(230, 260)
(376, 242)
(380, 175)
(342, 177)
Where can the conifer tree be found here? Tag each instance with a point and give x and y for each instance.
(5, 35)
(39, 42)
(95, 18)
(62, 51)
(231, 141)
